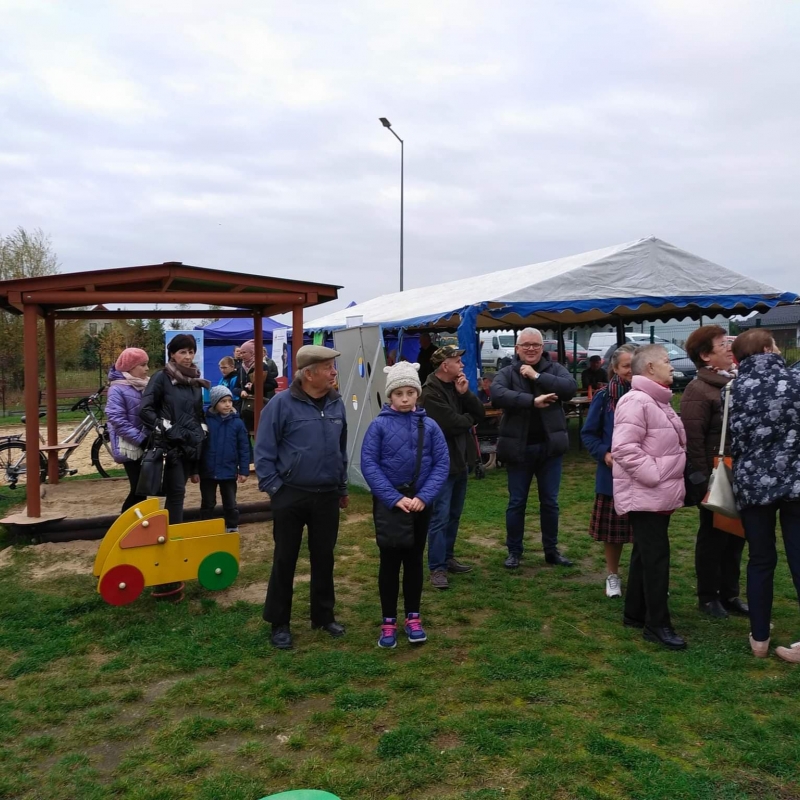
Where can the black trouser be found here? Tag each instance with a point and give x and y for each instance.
(174, 487)
(132, 470)
(648, 574)
(717, 561)
(208, 500)
(292, 510)
(410, 559)
(759, 529)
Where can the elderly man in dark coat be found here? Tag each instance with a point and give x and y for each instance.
(301, 461)
(533, 439)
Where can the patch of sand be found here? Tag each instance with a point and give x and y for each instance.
(352, 519)
(101, 496)
(44, 561)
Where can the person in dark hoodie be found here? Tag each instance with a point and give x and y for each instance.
(533, 439)
(126, 382)
(172, 406)
(448, 401)
(226, 458)
(301, 462)
(405, 462)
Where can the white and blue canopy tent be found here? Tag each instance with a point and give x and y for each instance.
(647, 279)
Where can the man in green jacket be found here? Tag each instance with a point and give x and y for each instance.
(448, 401)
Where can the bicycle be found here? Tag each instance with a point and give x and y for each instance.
(13, 449)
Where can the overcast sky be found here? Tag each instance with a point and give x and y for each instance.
(245, 135)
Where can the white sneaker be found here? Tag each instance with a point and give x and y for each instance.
(613, 586)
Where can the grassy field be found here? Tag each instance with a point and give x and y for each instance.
(529, 686)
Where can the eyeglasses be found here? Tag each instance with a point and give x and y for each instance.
(724, 345)
(530, 346)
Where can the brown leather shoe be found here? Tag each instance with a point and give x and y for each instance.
(454, 565)
(439, 579)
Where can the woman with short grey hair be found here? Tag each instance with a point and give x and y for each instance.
(607, 526)
(649, 452)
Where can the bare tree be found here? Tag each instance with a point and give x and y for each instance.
(22, 255)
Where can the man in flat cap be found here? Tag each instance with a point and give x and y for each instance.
(301, 461)
(448, 401)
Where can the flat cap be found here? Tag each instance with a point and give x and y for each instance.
(312, 354)
(443, 353)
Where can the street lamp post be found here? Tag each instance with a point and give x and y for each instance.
(386, 124)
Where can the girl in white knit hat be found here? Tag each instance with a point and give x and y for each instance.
(405, 461)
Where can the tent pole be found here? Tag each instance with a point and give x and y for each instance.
(620, 324)
(258, 375)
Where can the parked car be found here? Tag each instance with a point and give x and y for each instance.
(684, 369)
(496, 347)
(551, 347)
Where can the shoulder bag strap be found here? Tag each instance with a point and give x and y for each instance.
(725, 419)
(420, 445)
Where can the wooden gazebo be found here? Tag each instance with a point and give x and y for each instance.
(62, 296)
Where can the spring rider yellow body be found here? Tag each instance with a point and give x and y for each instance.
(142, 549)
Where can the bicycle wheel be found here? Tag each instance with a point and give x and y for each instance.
(14, 467)
(102, 457)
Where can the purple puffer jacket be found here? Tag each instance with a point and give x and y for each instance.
(389, 455)
(122, 412)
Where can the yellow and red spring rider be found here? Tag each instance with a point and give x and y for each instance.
(142, 549)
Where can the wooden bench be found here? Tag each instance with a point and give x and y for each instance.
(74, 394)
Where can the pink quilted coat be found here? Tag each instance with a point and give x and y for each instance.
(649, 450)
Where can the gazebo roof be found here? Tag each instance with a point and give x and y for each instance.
(170, 282)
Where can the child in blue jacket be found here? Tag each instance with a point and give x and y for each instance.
(226, 458)
(388, 463)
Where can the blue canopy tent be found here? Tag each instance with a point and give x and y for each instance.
(647, 279)
(220, 337)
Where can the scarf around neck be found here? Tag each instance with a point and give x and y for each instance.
(140, 384)
(186, 376)
(726, 373)
(616, 388)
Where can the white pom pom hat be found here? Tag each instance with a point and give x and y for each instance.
(402, 374)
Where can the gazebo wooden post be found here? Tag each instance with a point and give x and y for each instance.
(51, 399)
(31, 367)
(297, 334)
(258, 375)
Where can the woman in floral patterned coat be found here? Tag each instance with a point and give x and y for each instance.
(765, 444)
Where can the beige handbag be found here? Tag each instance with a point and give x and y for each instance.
(720, 498)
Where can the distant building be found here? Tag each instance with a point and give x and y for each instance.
(783, 322)
(96, 326)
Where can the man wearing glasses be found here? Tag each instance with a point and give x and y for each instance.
(533, 439)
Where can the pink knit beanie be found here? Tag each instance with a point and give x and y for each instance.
(130, 358)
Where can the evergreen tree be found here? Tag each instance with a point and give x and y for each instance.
(156, 348)
(139, 336)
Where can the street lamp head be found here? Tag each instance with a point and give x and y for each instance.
(385, 122)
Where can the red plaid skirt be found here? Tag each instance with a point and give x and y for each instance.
(607, 525)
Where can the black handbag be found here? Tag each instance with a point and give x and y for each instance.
(151, 476)
(394, 528)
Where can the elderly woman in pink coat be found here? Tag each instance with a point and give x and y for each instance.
(649, 455)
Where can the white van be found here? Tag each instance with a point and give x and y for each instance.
(601, 341)
(495, 346)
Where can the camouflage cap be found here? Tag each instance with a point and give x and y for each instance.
(443, 353)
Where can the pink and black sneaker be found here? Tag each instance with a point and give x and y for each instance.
(414, 629)
(388, 633)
